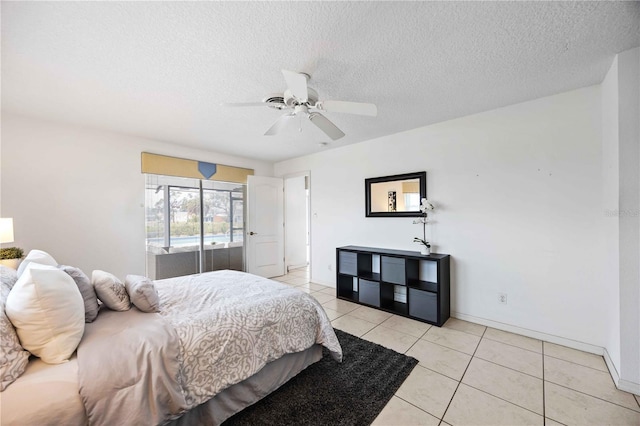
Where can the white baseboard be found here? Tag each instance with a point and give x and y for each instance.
(581, 346)
(621, 384)
(612, 368)
(630, 387)
(325, 283)
(292, 267)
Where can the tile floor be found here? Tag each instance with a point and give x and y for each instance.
(474, 375)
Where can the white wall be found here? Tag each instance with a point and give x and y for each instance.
(517, 193)
(611, 186)
(629, 217)
(79, 194)
(295, 216)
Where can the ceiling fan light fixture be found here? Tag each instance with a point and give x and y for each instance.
(300, 99)
(301, 109)
(275, 101)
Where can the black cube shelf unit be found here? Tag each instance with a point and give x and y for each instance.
(402, 282)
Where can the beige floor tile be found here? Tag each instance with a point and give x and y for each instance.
(406, 325)
(370, 314)
(428, 390)
(453, 339)
(398, 412)
(574, 408)
(342, 306)
(332, 314)
(440, 359)
(637, 399)
(303, 289)
(473, 407)
(298, 275)
(297, 280)
(329, 290)
(549, 422)
(352, 325)
(575, 356)
(312, 286)
(322, 297)
(525, 361)
(586, 380)
(466, 326)
(391, 339)
(510, 385)
(514, 339)
(320, 287)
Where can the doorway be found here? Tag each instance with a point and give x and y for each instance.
(297, 224)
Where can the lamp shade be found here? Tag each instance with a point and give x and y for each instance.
(6, 230)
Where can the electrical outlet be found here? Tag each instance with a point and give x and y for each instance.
(502, 298)
(329, 266)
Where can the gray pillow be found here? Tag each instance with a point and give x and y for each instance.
(110, 291)
(143, 293)
(13, 357)
(9, 276)
(86, 290)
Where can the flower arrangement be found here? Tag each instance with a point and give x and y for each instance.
(425, 207)
(11, 253)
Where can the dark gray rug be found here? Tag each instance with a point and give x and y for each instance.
(327, 393)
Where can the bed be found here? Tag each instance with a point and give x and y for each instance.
(221, 341)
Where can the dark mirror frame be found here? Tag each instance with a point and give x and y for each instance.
(422, 176)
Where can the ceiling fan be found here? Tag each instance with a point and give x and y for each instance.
(303, 102)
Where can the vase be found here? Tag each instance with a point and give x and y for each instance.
(425, 250)
(10, 263)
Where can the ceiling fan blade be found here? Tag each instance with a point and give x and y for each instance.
(325, 125)
(297, 84)
(243, 104)
(349, 107)
(279, 125)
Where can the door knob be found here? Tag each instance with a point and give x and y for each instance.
(253, 233)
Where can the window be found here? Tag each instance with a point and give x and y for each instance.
(181, 211)
(412, 201)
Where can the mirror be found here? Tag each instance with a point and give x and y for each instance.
(394, 196)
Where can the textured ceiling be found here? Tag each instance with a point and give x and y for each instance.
(160, 70)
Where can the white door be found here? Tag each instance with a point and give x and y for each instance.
(265, 226)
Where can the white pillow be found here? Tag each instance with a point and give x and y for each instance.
(143, 293)
(36, 256)
(47, 310)
(110, 291)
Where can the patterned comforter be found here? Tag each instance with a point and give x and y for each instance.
(231, 324)
(214, 330)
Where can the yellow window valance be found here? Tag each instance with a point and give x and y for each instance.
(181, 167)
(411, 187)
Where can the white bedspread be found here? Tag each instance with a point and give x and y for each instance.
(231, 324)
